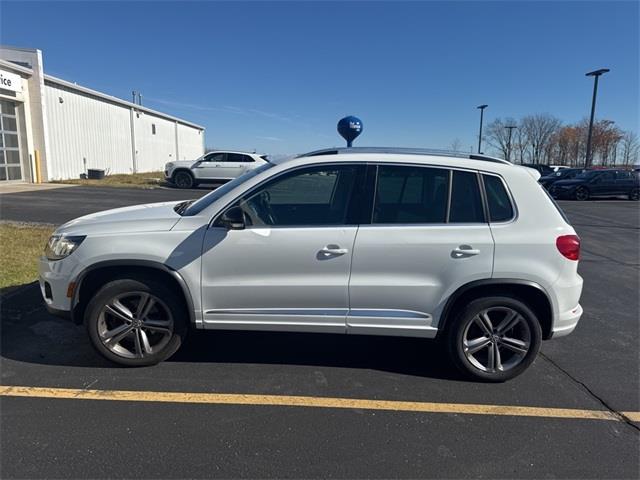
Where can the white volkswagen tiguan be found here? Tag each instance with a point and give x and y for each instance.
(212, 166)
(468, 249)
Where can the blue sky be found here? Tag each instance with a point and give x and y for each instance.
(277, 76)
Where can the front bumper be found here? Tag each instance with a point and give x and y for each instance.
(55, 277)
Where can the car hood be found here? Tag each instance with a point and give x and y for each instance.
(149, 217)
(182, 163)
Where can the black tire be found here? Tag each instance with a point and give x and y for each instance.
(464, 320)
(96, 319)
(634, 194)
(184, 179)
(582, 194)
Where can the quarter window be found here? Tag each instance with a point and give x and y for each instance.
(313, 196)
(500, 208)
(466, 202)
(411, 195)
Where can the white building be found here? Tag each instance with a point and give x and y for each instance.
(52, 129)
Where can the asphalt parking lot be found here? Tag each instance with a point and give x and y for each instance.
(485, 433)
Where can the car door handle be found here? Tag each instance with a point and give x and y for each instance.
(334, 250)
(464, 251)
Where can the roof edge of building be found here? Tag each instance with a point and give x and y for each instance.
(120, 101)
(15, 67)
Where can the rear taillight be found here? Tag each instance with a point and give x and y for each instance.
(569, 246)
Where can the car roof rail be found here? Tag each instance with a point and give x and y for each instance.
(404, 151)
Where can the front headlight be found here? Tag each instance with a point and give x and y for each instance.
(59, 246)
(169, 166)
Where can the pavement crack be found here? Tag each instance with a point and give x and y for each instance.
(619, 415)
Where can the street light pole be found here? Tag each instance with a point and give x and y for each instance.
(510, 128)
(596, 74)
(481, 107)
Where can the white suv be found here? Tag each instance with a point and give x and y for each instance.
(212, 166)
(360, 241)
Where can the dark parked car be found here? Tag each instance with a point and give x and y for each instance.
(543, 169)
(598, 183)
(564, 174)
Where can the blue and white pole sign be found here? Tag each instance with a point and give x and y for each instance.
(349, 128)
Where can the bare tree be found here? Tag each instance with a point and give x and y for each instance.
(497, 136)
(539, 130)
(630, 148)
(456, 145)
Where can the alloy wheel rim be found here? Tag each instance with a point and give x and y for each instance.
(496, 340)
(135, 325)
(581, 194)
(182, 180)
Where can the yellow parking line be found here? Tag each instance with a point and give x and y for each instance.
(313, 402)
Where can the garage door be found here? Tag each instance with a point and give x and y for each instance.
(10, 167)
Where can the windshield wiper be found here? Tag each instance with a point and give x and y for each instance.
(182, 206)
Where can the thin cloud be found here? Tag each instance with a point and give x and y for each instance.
(248, 112)
(271, 139)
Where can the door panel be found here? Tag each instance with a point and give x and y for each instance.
(408, 269)
(288, 269)
(276, 276)
(428, 233)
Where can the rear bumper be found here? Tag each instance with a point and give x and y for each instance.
(567, 322)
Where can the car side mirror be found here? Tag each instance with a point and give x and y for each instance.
(233, 219)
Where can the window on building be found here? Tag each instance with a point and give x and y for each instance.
(411, 195)
(153, 129)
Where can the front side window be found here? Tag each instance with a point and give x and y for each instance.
(312, 196)
(406, 194)
(216, 157)
(498, 201)
(466, 202)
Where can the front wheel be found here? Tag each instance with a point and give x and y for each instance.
(494, 339)
(184, 179)
(136, 322)
(582, 194)
(634, 194)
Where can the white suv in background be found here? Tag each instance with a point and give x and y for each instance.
(212, 166)
(468, 249)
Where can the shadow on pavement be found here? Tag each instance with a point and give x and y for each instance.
(31, 335)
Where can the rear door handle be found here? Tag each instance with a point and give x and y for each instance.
(464, 251)
(334, 250)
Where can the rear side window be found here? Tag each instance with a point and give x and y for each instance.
(466, 202)
(500, 208)
(411, 195)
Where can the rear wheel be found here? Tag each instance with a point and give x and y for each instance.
(494, 339)
(582, 194)
(184, 179)
(136, 322)
(634, 194)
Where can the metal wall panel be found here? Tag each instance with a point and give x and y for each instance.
(85, 126)
(190, 142)
(154, 150)
(80, 127)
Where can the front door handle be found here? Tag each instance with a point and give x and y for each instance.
(334, 250)
(464, 251)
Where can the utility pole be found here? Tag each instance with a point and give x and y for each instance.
(595, 74)
(481, 107)
(510, 128)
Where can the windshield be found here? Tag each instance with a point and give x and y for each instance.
(199, 205)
